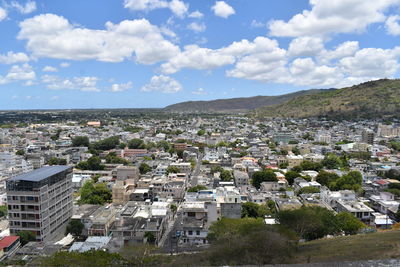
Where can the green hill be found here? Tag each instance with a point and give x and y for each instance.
(367, 100)
(243, 104)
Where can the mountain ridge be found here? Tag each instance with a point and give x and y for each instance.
(366, 100)
(239, 104)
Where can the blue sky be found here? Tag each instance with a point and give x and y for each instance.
(152, 53)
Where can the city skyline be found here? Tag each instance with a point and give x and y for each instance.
(152, 53)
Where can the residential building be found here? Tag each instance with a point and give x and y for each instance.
(41, 202)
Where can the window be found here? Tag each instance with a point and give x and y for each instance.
(190, 232)
(197, 232)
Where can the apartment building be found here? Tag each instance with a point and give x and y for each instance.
(41, 202)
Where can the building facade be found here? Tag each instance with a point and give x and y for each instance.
(40, 202)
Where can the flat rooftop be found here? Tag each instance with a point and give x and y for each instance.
(40, 174)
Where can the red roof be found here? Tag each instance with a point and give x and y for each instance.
(382, 182)
(8, 241)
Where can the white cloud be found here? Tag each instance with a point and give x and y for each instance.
(54, 98)
(52, 36)
(119, 87)
(346, 49)
(263, 60)
(195, 57)
(337, 16)
(196, 15)
(64, 64)
(163, 84)
(12, 58)
(199, 91)
(305, 46)
(373, 63)
(197, 27)
(85, 83)
(222, 9)
(392, 25)
(21, 73)
(257, 24)
(3, 13)
(178, 8)
(29, 7)
(49, 69)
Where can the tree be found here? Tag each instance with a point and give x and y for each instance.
(325, 178)
(172, 169)
(291, 175)
(150, 237)
(309, 190)
(106, 144)
(254, 210)
(112, 158)
(74, 227)
(164, 145)
(348, 223)
(144, 168)
(393, 174)
(136, 144)
(197, 188)
(263, 176)
(80, 141)
(226, 175)
(173, 207)
(26, 237)
(350, 181)
(309, 222)
(57, 161)
(93, 164)
(247, 241)
(332, 162)
(95, 194)
(311, 166)
(201, 132)
(88, 258)
(3, 211)
(20, 152)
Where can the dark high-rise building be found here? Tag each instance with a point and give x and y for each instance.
(40, 202)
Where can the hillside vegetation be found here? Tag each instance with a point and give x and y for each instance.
(366, 100)
(243, 104)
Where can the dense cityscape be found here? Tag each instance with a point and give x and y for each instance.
(169, 133)
(184, 184)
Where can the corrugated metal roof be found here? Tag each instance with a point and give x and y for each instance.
(40, 174)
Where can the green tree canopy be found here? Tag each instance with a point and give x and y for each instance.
(74, 227)
(80, 141)
(309, 190)
(309, 222)
(172, 169)
(57, 161)
(348, 223)
(263, 176)
(332, 161)
(326, 178)
(93, 164)
(197, 188)
(291, 175)
(136, 144)
(106, 144)
(95, 193)
(144, 168)
(26, 237)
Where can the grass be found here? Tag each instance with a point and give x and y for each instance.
(380, 245)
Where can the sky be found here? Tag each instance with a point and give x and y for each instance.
(57, 54)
